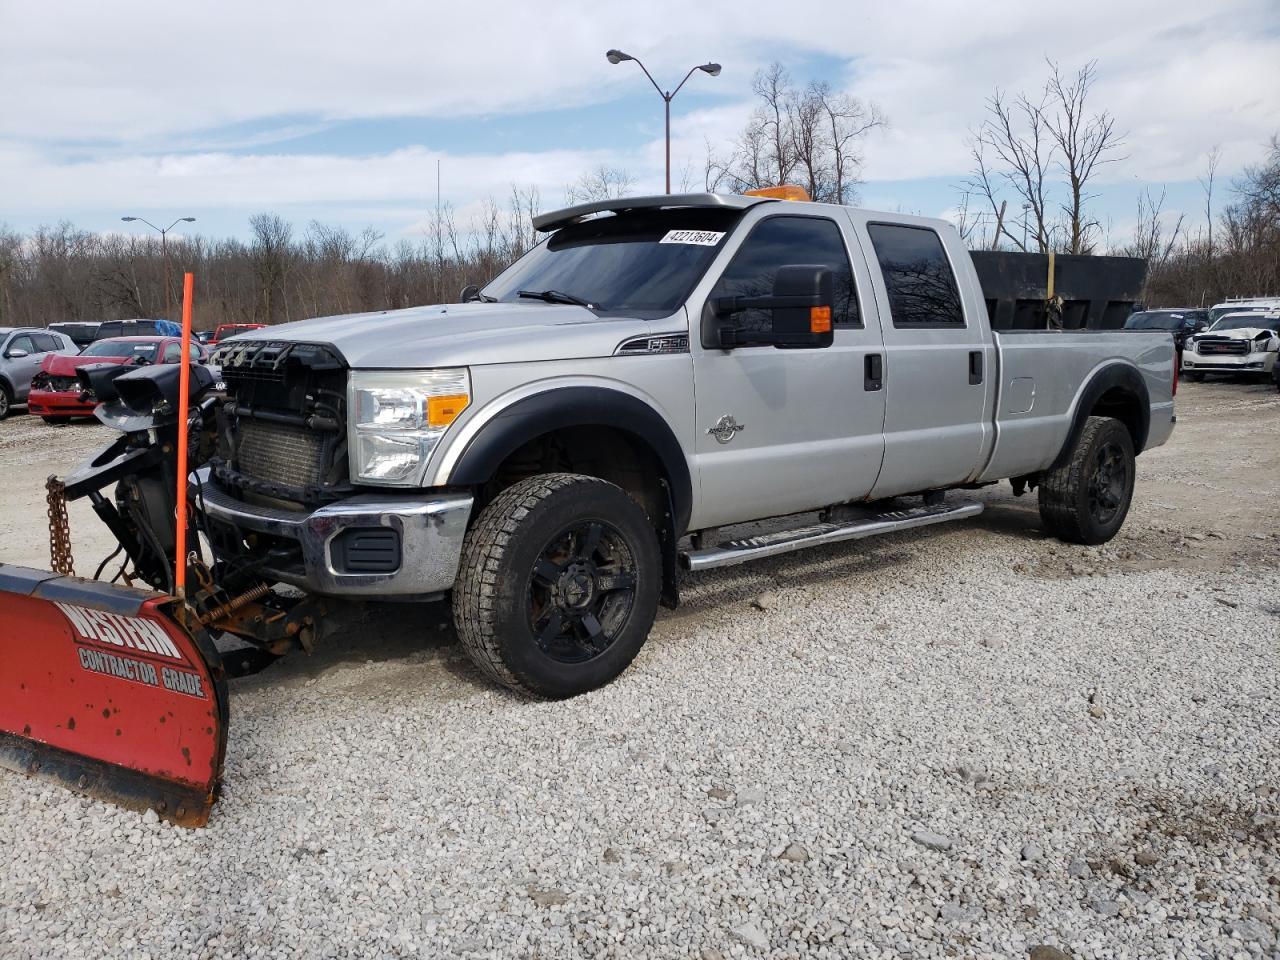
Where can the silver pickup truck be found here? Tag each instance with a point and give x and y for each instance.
(556, 448)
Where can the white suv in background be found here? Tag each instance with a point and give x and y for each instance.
(1245, 342)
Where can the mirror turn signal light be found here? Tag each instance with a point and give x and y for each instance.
(819, 319)
(442, 411)
(785, 192)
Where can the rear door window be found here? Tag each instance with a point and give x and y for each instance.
(917, 276)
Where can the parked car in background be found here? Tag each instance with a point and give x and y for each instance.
(1181, 323)
(81, 334)
(1242, 304)
(228, 330)
(1246, 342)
(56, 392)
(111, 329)
(21, 351)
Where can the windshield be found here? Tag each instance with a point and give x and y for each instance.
(643, 262)
(1242, 321)
(1154, 320)
(121, 348)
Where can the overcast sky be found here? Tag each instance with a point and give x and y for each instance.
(339, 111)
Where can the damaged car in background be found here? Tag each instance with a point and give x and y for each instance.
(1238, 343)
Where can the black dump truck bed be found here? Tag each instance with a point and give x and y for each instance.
(1096, 293)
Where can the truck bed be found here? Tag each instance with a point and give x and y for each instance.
(1039, 389)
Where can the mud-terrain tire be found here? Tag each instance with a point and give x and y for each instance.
(1087, 498)
(6, 400)
(558, 585)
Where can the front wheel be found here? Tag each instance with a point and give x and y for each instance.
(558, 585)
(1086, 499)
(6, 400)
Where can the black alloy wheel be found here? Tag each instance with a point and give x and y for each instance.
(581, 591)
(1109, 483)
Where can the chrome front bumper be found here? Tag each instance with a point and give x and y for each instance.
(430, 531)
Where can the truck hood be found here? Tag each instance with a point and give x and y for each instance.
(1241, 333)
(464, 334)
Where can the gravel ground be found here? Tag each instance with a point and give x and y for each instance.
(969, 741)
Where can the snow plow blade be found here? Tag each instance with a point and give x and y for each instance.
(102, 691)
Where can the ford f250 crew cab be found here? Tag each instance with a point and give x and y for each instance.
(554, 450)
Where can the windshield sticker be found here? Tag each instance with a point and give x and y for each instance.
(699, 238)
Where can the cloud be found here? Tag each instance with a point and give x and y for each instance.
(148, 102)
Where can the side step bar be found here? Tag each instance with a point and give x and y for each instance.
(797, 538)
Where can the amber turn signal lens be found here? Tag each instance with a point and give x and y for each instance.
(442, 411)
(819, 319)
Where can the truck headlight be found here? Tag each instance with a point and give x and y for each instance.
(398, 417)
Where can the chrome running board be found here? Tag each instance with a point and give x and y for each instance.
(814, 535)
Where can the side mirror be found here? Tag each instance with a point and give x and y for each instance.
(470, 292)
(800, 305)
(17, 353)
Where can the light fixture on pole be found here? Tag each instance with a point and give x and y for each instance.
(713, 69)
(164, 253)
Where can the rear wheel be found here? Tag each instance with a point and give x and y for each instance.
(1087, 499)
(558, 585)
(6, 400)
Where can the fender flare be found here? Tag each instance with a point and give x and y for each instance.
(1108, 377)
(578, 406)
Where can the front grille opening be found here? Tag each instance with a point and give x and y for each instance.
(282, 432)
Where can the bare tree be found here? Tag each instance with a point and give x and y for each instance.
(1084, 142)
(602, 183)
(1023, 140)
(1013, 150)
(1206, 184)
(270, 252)
(810, 137)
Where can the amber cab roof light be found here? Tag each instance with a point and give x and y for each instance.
(785, 192)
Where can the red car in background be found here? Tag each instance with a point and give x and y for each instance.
(56, 394)
(225, 330)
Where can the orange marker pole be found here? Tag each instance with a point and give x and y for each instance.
(184, 385)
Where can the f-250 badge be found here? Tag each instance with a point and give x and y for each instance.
(725, 428)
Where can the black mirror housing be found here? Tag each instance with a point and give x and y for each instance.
(470, 292)
(805, 319)
(801, 304)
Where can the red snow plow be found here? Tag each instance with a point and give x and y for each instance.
(113, 686)
(105, 691)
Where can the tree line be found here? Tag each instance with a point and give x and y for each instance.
(1036, 160)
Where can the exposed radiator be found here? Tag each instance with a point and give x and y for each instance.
(280, 453)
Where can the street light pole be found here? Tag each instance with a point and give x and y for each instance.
(712, 69)
(164, 253)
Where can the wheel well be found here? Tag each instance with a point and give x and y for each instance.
(594, 451)
(1122, 404)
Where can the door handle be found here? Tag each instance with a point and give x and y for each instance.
(975, 366)
(873, 372)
